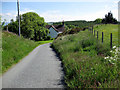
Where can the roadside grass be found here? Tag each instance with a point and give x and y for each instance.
(107, 29)
(44, 42)
(83, 61)
(14, 48)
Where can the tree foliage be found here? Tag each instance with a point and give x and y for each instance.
(98, 21)
(109, 19)
(33, 26)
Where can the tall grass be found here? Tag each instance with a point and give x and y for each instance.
(83, 60)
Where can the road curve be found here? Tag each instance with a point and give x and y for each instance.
(40, 69)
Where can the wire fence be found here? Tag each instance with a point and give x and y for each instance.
(97, 33)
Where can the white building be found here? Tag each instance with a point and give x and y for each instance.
(54, 30)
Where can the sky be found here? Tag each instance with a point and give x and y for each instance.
(59, 10)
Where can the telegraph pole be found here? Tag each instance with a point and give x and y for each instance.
(18, 16)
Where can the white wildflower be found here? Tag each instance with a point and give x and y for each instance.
(109, 60)
(116, 52)
(113, 63)
(105, 57)
(114, 47)
(113, 60)
(115, 56)
(111, 57)
(111, 51)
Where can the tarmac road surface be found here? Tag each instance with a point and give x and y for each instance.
(40, 69)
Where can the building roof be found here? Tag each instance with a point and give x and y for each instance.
(58, 28)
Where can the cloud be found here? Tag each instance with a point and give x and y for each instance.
(26, 10)
(8, 14)
(55, 16)
(13, 14)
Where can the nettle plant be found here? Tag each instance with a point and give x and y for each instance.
(114, 55)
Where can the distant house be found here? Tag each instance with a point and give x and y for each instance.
(54, 30)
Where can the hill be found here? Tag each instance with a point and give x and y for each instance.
(78, 23)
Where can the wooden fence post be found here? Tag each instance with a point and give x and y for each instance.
(7, 27)
(97, 34)
(92, 29)
(111, 40)
(102, 37)
(94, 32)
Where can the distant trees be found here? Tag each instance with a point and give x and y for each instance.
(13, 26)
(109, 19)
(77, 23)
(32, 26)
(98, 21)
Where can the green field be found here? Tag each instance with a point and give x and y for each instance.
(107, 29)
(83, 60)
(14, 48)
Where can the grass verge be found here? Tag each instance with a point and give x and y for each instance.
(84, 64)
(14, 48)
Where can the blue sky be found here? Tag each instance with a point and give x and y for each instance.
(58, 11)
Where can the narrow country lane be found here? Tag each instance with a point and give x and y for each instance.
(40, 69)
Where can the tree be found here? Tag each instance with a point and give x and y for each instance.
(13, 26)
(3, 23)
(109, 19)
(98, 21)
(33, 26)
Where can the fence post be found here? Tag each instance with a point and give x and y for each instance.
(94, 32)
(97, 34)
(92, 29)
(102, 37)
(7, 27)
(111, 40)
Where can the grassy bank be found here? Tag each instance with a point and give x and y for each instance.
(83, 60)
(15, 48)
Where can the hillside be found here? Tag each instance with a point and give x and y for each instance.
(78, 23)
(15, 48)
(89, 63)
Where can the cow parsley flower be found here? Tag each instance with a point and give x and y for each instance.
(113, 59)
